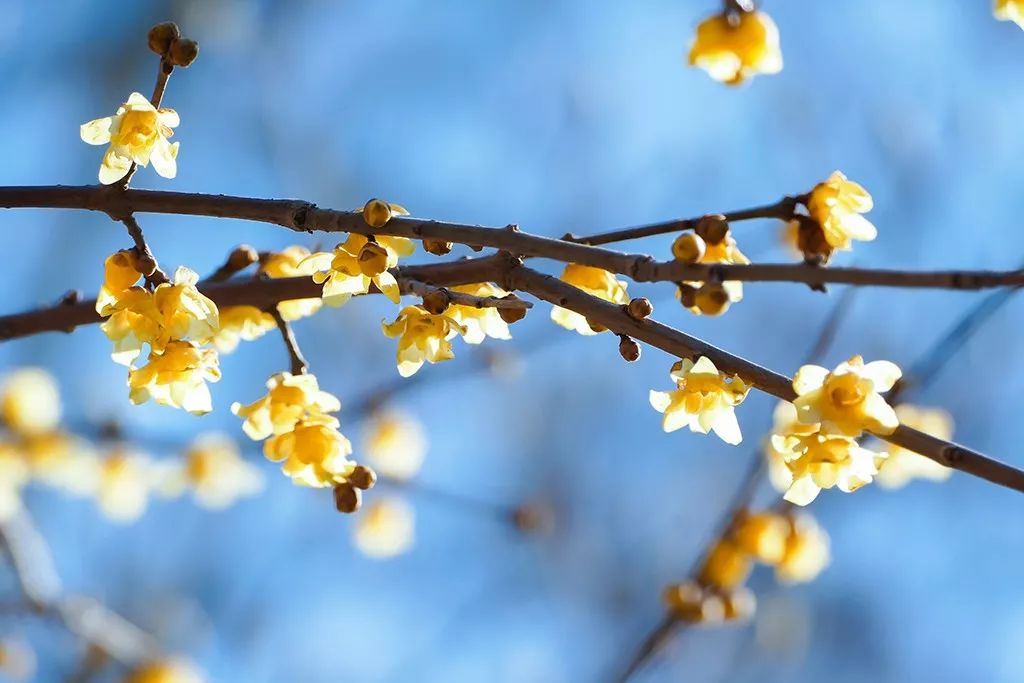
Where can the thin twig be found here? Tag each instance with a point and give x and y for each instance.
(299, 366)
(147, 261)
(422, 289)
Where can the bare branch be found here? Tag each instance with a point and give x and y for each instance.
(299, 366)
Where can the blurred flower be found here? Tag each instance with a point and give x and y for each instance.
(480, 322)
(30, 401)
(762, 536)
(736, 46)
(124, 485)
(422, 337)
(704, 400)
(356, 264)
(836, 205)
(14, 474)
(593, 281)
(241, 322)
(902, 465)
(217, 474)
(17, 660)
(807, 551)
(289, 263)
(726, 566)
(165, 671)
(62, 461)
(289, 399)
(314, 453)
(385, 528)
(1009, 10)
(137, 133)
(846, 401)
(396, 444)
(176, 378)
(692, 603)
(821, 461)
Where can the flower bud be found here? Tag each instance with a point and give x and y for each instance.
(182, 52)
(362, 477)
(685, 601)
(629, 349)
(162, 35)
(347, 498)
(712, 299)
(689, 248)
(376, 213)
(241, 257)
(436, 301)
(687, 295)
(739, 604)
(512, 315)
(373, 259)
(639, 308)
(713, 228)
(437, 247)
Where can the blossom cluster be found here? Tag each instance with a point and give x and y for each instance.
(704, 400)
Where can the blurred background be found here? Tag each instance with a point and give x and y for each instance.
(558, 115)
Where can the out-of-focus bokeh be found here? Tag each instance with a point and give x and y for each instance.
(561, 115)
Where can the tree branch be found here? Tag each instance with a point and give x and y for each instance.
(298, 364)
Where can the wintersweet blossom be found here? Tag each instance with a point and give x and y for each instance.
(289, 399)
(784, 421)
(736, 46)
(238, 323)
(713, 298)
(186, 314)
(165, 671)
(422, 337)
(29, 402)
(902, 465)
(1009, 10)
(314, 453)
(216, 473)
(120, 273)
(482, 322)
(395, 444)
(726, 566)
(14, 474)
(703, 400)
(62, 461)
(593, 281)
(693, 603)
(807, 551)
(386, 528)
(847, 401)
(290, 263)
(357, 263)
(762, 536)
(837, 205)
(176, 378)
(820, 461)
(138, 133)
(124, 485)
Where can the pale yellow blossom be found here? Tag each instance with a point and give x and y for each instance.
(902, 465)
(704, 400)
(593, 281)
(62, 461)
(239, 323)
(836, 205)
(807, 551)
(735, 47)
(847, 401)
(176, 378)
(30, 401)
(133, 321)
(820, 461)
(216, 473)
(396, 444)
(120, 273)
(482, 322)
(726, 566)
(385, 528)
(1009, 10)
(357, 263)
(124, 485)
(422, 337)
(314, 453)
(137, 133)
(289, 399)
(186, 314)
(14, 474)
(784, 421)
(762, 536)
(290, 263)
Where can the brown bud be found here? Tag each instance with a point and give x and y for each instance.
(689, 248)
(436, 301)
(688, 295)
(713, 228)
(810, 240)
(629, 349)
(373, 259)
(512, 315)
(376, 213)
(712, 299)
(162, 35)
(437, 247)
(532, 518)
(685, 601)
(640, 308)
(362, 477)
(347, 498)
(241, 257)
(183, 52)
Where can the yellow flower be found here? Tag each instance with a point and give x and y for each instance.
(217, 474)
(732, 48)
(807, 551)
(124, 485)
(289, 399)
(176, 378)
(762, 536)
(137, 133)
(820, 461)
(17, 660)
(185, 313)
(30, 401)
(241, 322)
(707, 298)
(62, 461)
(134, 321)
(1009, 10)
(14, 474)
(289, 263)
(704, 400)
(377, 212)
(480, 323)
(726, 566)
(314, 453)
(422, 337)
(396, 444)
(692, 603)
(846, 401)
(837, 205)
(385, 528)
(165, 671)
(593, 281)
(355, 264)
(120, 273)
(902, 465)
